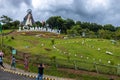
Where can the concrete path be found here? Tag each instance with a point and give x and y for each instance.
(9, 76)
(19, 74)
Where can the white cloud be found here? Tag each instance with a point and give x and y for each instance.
(48, 4)
(99, 11)
(39, 4)
(97, 5)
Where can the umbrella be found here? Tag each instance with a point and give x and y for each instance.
(1, 53)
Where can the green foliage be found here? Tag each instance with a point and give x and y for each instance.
(70, 27)
(105, 34)
(55, 22)
(53, 41)
(77, 30)
(109, 27)
(15, 24)
(117, 33)
(67, 55)
(38, 23)
(7, 21)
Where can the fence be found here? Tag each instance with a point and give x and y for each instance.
(79, 65)
(72, 64)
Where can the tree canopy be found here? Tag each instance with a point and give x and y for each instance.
(70, 27)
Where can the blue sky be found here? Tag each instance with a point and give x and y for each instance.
(98, 11)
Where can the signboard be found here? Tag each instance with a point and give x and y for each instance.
(13, 51)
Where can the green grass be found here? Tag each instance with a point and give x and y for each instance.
(82, 52)
(6, 31)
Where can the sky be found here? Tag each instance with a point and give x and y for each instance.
(95, 11)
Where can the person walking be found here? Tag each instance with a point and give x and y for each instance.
(26, 64)
(40, 72)
(1, 61)
(13, 63)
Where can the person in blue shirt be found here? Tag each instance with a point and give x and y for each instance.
(1, 62)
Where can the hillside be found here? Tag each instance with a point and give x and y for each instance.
(62, 54)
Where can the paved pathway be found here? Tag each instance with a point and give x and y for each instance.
(19, 74)
(9, 76)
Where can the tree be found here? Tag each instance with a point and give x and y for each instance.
(94, 27)
(76, 30)
(106, 34)
(117, 33)
(53, 21)
(78, 22)
(6, 21)
(91, 34)
(15, 24)
(85, 25)
(69, 23)
(38, 23)
(56, 22)
(109, 27)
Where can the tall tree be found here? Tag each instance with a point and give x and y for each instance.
(106, 34)
(117, 34)
(6, 21)
(109, 27)
(76, 30)
(69, 23)
(15, 24)
(78, 22)
(38, 23)
(56, 22)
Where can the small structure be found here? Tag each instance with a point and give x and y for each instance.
(27, 22)
(28, 19)
(83, 34)
(28, 25)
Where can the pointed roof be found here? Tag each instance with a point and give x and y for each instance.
(28, 19)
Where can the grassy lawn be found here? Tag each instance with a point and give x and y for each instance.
(6, 31)
(75, 53)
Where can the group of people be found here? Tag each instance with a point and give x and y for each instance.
(26, 66)
(13, 63)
